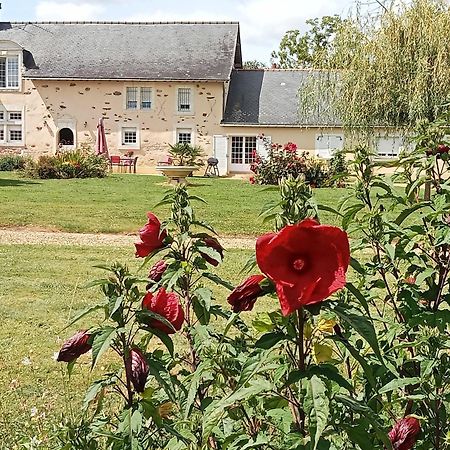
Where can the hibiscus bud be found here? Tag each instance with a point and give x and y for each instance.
(152, 238)
(215, 245)
(442, 148)
(137, 369)
(244, 296)
(167, 305)
(157, 270)
(74, 347)
(403, 435)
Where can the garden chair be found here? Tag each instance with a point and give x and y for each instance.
(115, 161)
(130, 164)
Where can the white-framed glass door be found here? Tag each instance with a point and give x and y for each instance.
(242, 153)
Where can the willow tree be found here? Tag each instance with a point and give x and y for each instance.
(394, 69)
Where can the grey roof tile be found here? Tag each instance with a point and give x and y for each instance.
(275, 96)
(150, 51)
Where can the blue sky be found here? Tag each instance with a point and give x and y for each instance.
(263, 22)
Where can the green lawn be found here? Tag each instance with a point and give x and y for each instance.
(118, 203)
(41, 288)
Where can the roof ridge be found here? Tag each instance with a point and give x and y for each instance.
(88, 22)
(270, 69)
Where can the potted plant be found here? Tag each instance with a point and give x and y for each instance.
(185, 159)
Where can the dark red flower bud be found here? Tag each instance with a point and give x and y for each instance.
(74, 347)
(151, 236)
(403, 435)
(167, 305)
(442, 148)
(244, 296)
(214, 244)
(137, 369)
(157, 270)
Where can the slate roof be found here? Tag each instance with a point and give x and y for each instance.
(279, 97)
(112, 50)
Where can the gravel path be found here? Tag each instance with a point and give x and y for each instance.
(36, 237)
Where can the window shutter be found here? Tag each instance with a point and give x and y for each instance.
(221, 153)
(261, 146)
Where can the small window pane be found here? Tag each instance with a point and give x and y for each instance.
(132, 97)
(2, 134)
(184, 136)
(237, 144)
(184, 99)
(146, 98)
(15, 115)
(13, 71)
(2, 115)
(250, 149)
(129, 136)
(15, 135)
(3, 72)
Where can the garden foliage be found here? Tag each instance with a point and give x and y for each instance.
(70, 164)
(353, 353)
(283, 161)
(12, 162)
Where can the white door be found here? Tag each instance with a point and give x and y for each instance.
(326, 144)
(221, 153)
(242, 154)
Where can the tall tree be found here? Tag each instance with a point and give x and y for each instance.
(396, 68)
(254, 64)
(310, 49)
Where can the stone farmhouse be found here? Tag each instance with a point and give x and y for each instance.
(154, 84)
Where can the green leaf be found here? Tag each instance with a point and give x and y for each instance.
(407, 212)
(357, 266)
(320, 407)
(368, 413)
(269, 340)
(102, 342)
(361, 324)
(359, 296)
(398, 384)
(424, 274)
(85, 312)
(195, 379)
(215, 411)
(216, 279)
(165, 339)
(329, 372)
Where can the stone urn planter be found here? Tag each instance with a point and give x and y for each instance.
(176, 174)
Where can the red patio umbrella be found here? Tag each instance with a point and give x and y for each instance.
(101, 147)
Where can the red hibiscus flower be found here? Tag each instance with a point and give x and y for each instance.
(244, 296)
(167, 305)
(403, 435)
(137, 369)
(74, 347)
(215, 245)
(151, 236)
(157, 270)
(307, 262)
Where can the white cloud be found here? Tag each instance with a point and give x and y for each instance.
(54, 10)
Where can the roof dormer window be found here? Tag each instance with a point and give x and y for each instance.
(9, 72)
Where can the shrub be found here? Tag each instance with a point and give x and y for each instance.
(283, 161)
(337, 169)
(12, 162)
(76, 164)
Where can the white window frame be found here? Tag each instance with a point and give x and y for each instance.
(123, 129)
(139, 98)
(320, 153)
(243, 166)
(7, 124)
(184, 130)
(8, 55)
(189, 111)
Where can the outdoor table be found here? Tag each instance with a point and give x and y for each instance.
(129, 162)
